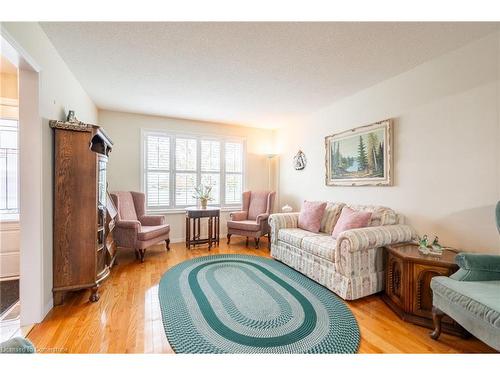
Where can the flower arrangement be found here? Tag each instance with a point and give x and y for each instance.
(203, 193)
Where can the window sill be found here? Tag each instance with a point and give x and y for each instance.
(174, 211)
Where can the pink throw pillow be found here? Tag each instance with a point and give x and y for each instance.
(310, 216)
(350, 219)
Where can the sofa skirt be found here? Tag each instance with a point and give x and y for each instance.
(325, 273)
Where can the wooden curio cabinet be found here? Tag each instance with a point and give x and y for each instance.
(80, 259)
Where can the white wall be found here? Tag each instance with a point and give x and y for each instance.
(447, 142)
(124, 172)
(59, 91)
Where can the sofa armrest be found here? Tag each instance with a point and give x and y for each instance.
(128, 224)
(372, 237)
(357, 254)
(282, 221)
(477, 267)
(149, 220)
(238, 215)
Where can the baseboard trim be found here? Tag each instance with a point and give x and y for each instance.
(47, 308)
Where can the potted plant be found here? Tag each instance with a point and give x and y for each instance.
(203, 193)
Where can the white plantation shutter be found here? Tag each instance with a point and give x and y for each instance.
(158, 189)
(185, 171)
(184, 189)
(185, 154)
(234, 172)
(210, 156)
(233, 188)
(234, 157)
(212, 179)
(175, 165)
(210, 162)
(157, 171)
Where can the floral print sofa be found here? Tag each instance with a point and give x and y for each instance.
(352, 265)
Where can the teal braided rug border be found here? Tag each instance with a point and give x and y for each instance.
(248, 304)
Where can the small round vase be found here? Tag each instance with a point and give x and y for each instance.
(203, 203)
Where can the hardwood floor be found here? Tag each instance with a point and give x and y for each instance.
(127, 317)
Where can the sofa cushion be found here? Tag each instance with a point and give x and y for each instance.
(294, 236)
(149, 232)
(248, 225)
(330, 217)
(322, 246)
(310, 216)
(380, 215)
(350, 219)
(478, 298)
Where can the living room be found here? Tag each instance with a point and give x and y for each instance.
(251, 187)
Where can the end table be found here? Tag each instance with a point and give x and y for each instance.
(193, 218)
(407, 284)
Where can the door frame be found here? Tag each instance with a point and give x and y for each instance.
(33, 307)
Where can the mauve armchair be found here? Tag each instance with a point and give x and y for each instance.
(251, 221)
(133, 228)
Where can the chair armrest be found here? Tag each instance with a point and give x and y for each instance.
(477, 267)
(372, 237)
(148, 220)
(282, 221)
(238, 215)
(261, 218)
(128, 224)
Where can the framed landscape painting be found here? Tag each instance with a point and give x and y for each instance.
(360, 156)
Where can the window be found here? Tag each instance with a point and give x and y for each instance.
(9, 207)
(175, 164)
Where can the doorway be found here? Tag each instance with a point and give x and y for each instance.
(20, 191)
(9, 200)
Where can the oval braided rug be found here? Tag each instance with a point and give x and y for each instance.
(250, 304)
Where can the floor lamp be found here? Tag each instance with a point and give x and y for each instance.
(270, 157)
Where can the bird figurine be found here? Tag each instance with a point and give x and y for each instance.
(424, 241)
(436, 246)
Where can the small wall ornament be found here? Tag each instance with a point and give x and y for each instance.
(299, 161)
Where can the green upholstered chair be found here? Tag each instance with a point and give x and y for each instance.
(471, 296)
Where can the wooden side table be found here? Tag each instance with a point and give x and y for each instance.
(193, 218)
(407, 284)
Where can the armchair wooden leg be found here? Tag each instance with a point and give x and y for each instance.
(246, 242)
(167, 243)
(257, 240)
(437, 315)
(142, 252)
(228, 238)
(136, 254)
(94, 294)
(269, 241)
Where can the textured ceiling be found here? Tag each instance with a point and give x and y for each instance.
(254, 74)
